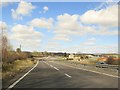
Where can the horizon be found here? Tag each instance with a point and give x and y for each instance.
(68, 52)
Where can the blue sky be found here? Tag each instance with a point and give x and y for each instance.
(62, 27)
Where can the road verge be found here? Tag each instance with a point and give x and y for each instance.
(18, 77)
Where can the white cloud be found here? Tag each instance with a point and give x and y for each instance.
(61, 37)
(23, 9)
(83, 49)
(68, 25)
(45, 8)
(26, 35)
(101, 49)
(42, 23)
(3, 25)
(92, 49)
(104, 17)
(90, 41)
(102, 31)
(65, 28)
(64, 19)
(51, 45)
(4, 4)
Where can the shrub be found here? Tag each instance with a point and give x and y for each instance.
(111, 60)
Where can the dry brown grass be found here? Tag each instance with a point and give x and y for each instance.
(86, 61)
(10, 69)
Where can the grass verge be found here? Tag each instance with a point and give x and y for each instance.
(11, 69)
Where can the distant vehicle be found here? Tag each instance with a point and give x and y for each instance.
(101, 65)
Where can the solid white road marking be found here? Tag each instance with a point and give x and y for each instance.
(97, 72)
(68, 75)
(11, 86)
(91, 71)
(56, 68)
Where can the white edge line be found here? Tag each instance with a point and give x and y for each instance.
(12, 85)
(98, 72)
(91, 71)
(68, 75)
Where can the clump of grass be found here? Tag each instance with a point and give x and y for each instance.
(10, 69)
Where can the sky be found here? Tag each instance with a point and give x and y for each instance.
(87, 27)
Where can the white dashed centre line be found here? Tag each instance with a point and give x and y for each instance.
(68, 75)
(56, 68)
(51, 65)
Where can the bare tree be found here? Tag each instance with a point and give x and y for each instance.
(4, 48)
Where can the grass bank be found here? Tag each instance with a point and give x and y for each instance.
(11, 69)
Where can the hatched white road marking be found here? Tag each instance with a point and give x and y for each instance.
(68, 75)
(11, 86)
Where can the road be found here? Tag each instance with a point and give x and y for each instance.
(48, 74)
